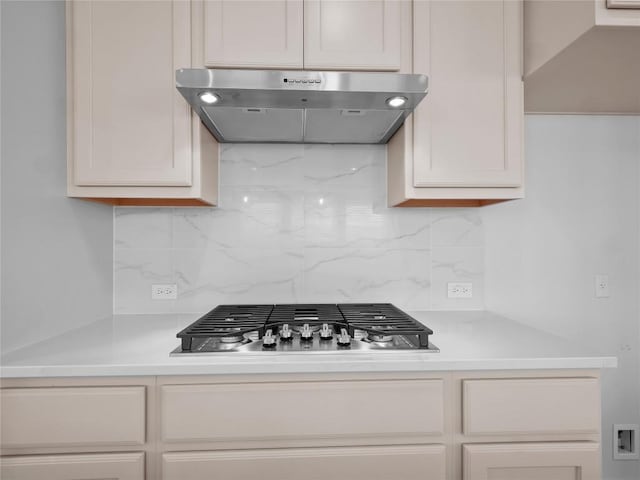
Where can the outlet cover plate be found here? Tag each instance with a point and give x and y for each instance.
(459, 290)
(628, 449)
(602, 286)
(164, 291)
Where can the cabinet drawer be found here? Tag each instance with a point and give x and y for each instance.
(631, 4)
(83, 416)
(532, 461)
(112, 466)
(531, 406)
(415, 462)
(302, 410)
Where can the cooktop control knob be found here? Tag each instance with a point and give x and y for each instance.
(285, 333)
(268, 341)
(306, 334)
(325, 332)
(344, 340)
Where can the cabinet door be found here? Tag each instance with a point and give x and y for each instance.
(353, 34)
(532, 461)
(415, 462)
(468, 129)
(99, 466)
(253, 34)
(129, 124)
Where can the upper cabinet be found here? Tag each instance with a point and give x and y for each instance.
(311, 34)
(353, 34)
(253, 34)
(464, 147)
(582, 56)
(132, 140)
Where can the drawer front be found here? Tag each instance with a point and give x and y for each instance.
(69, 416)
(416, 462)
(302, 410)
(532, 461)
(531, 406)
(630, 4)
(112, 466)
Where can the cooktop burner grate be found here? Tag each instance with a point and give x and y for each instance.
(227, 321)
(382, 325)
(311, 314)
(383, 319)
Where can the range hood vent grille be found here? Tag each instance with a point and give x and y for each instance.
(301, 107)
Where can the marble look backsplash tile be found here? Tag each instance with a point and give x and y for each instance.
(297, 223)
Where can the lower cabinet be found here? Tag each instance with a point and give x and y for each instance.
(415, 462)
(91, 466)
(532, 461)
(486, 425)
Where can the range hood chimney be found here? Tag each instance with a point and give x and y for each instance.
(269, 106)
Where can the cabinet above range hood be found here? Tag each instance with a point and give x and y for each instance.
(249, 106)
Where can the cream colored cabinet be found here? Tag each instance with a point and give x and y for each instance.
(411, 462)
(112, 466)
(633, 4)
(253, 34)
(532, 461)
(582, 56)
(132, 139)
(465, 144)
(72, 416)
(302, 412)
(532, 406)
(353, 34)
(310, 34)
(489, 425)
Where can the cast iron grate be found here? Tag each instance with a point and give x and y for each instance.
(312, 314)
(238, 320)
(226, 321)
(383, 319)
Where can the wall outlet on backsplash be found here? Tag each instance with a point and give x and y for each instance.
(459, 290)
(164, 291)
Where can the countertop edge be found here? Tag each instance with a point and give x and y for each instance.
(337, 366)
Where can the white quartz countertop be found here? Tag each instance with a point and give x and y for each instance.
(140, 344)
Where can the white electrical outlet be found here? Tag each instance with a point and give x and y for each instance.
(459, 290)
(164, 291)
(625, 442)
(602, 286)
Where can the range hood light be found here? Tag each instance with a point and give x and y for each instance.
(209, 98)
(396, 102)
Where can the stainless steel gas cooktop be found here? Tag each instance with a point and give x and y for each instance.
(314, 328)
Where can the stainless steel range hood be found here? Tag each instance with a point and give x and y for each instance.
(248, 106)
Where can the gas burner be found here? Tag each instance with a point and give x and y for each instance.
(377, 338)
(237, 339)
(231, 335)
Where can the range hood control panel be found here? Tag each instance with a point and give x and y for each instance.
(299, 80)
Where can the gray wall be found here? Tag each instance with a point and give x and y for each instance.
(57, 255)
(580, 217)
